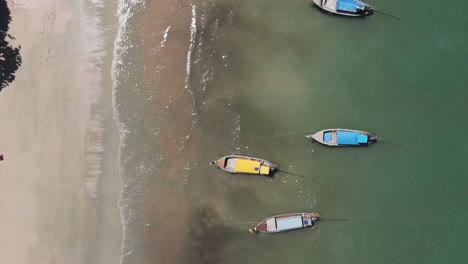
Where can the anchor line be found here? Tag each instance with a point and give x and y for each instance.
(191, 168)
(391, 142)
(288, 134)
(385, 14)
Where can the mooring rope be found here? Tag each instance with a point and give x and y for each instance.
(391, 142)
(242, 223)
(287, 134)
(292, 173)
(191, 168)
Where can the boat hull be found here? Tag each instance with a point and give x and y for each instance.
(266, 168)
(286, 222)
(319, 137)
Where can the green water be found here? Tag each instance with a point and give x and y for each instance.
(293, 68)
(290, 68)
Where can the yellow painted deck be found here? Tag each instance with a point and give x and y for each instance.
(247, 166)
(264, 170)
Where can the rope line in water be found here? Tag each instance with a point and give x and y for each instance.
(242, 223)
(334, 219)
(385, 14)
(306, 177)
(391, 142)
(291, 173)
(287, 134)
(353, 218)
(414, 218)
(204, 166)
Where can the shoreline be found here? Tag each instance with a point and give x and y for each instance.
(107, 247)
(59, 186)
(148, 233)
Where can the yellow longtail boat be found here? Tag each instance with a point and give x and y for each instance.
(245, 165)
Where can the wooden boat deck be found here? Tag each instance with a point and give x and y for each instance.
(231, 165)
(333, 137)
(288, 215)
(221, 162)
(262, 226)
(330, 4)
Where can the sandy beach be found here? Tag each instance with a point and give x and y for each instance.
(59, 182)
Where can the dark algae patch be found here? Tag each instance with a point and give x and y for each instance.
(207, 236)
(10, 58)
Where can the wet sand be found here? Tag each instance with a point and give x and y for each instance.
(164, 209)
(174, 50)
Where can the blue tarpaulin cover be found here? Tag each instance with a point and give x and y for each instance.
(289, 223)
(349, 5)
(347, 138)
(360, 5)
(326, 137)
(362, 139)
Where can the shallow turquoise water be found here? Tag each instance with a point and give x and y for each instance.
(289, 67)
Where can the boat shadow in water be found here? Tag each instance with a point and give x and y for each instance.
(207, 236)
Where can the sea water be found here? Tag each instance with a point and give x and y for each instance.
(196, 80)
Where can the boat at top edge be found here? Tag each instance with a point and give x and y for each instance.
(245, 165)
(336, 137)
(286, 222)
(353, 8)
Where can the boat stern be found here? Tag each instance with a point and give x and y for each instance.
(274, 167)
(315, 216)
(269, 168)
(311, 219)
(371, 138)
(363, 9)
(368, 10)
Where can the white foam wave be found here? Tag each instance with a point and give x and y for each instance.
(166, 32)
(97, 3)
(121, 46)
(198, 55)
(193, 32)
(206, 77)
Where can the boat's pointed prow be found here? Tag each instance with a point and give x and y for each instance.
(253, 230)
(314, 137)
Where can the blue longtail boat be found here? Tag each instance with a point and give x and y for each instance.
(353, 8)
(337, 137)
